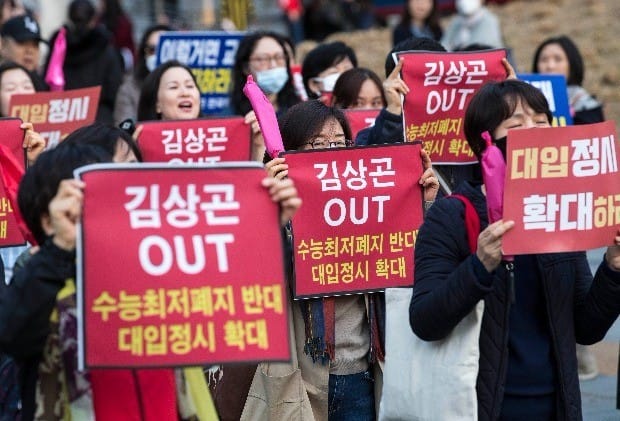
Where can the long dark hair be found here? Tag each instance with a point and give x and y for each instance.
(575, 61)
(241, 69)
(111, 12)
(494, 103)
(140, 71)
(432, 20)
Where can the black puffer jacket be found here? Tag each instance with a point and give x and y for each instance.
(92, 60)
(446, 289)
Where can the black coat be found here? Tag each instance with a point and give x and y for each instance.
(92, 60)
(446, 289)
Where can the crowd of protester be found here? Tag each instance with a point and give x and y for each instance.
(341, 375)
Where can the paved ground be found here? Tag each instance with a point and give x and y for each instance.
(599, 395)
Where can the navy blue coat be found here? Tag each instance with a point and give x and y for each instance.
(446, 289)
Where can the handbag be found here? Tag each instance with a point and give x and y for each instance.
(433, 380)
(278, 390)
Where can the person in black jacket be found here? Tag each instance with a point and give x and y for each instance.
(527, 365)
(388, 127)
(91, 59)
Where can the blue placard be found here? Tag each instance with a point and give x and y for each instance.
(554, 89)
(211, 56)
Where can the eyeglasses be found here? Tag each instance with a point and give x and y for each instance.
(324, 144)
(265, 60)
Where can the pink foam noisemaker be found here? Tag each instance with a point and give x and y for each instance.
(55, 76)
(266, 117)
(493, 175)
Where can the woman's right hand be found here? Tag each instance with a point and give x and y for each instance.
(490, 244)
(65, 210)
(394, 87)
(277, 168)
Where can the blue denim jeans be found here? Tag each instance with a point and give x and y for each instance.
(352, 397)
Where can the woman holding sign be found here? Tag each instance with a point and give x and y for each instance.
(339, 345)
(16, 80)
(535, 307)
(560, 55)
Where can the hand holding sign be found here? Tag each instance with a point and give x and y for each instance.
(490, 244)
(64, 211)
(34, 143)
(394, 87)
(428, 181)
(277, 168)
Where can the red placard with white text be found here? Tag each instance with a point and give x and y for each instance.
(56, 114)
(562, 188)
(195, 141)
(356, 229)
(180, 265)
(11, 141)
(360, 120)
(441, 86)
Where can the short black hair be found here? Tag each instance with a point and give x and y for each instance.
(147, 104)
(348, 86)
(104, 136)
(411, 44)
(40, 182)
(305, 120)
(576, 68)
(323, 57)
(494, 103)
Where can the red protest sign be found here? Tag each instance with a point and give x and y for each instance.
(180, 265)
(202, 140)
(562, 189)
(441, 86)
(56, 114)
(12, 166)
(357, 227)
(360, 119)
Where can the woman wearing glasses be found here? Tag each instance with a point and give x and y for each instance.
(340, 383)
(262, 55)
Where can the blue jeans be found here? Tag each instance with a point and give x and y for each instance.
(352, 397)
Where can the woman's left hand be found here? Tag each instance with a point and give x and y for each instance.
(613, 254)
(258, 141)
(428, 181)
(33, 143)
(284, 193)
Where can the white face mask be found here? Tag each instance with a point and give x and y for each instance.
(468, 7)
(151, 62)
(271, 81)
(328, 82)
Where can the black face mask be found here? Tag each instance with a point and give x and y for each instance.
(501, 145)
